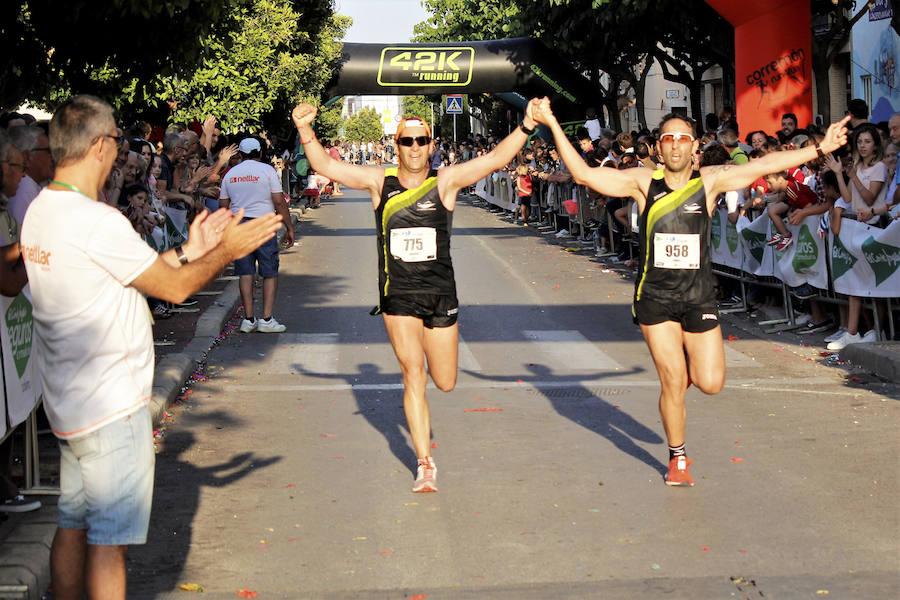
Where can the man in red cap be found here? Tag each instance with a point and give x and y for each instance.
(413, 211)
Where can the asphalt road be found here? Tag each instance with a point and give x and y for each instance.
(288, 472)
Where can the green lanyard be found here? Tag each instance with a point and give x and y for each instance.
(67, 185)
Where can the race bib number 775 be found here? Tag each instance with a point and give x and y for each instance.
(414, 244)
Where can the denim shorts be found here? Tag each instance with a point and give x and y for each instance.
(106, 481)
(265, 257)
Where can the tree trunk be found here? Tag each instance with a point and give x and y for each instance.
(696, 90)
(820, 67)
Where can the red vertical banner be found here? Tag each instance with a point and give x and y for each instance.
(773, 61)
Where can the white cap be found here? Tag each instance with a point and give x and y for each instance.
(248, 145)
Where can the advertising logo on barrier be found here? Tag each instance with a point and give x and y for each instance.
(731, 236)
(716, 232)
(19, 325)
(756, 243)
(883, 259)
(438, 66)
(841, 258)
(806, 254)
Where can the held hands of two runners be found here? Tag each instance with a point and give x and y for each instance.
(540, 109)
(303, 114)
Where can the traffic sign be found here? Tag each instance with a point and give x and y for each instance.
(454, 104)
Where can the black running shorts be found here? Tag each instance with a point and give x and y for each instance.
(435, 310)
(693, 318)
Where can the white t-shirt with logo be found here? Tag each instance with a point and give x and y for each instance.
(93, 343)
(250, 185)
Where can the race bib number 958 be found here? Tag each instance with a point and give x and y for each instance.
(414, 244)
(676, 250)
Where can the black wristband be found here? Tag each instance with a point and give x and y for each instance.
(525, 130)
(182, 258)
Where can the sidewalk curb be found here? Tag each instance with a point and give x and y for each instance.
(883, 358)
(172, 371)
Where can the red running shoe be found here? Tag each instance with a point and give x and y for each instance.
(426, 477)
(678, 471)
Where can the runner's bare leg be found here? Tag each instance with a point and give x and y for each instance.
(407, 338)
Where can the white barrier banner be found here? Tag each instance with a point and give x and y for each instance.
(16, 328)
(725, 241)
(758, 257)
(804, 260)
(865, 260)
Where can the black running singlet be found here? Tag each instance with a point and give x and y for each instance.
(675, 263)
(413, 239)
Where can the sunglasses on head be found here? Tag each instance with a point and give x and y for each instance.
(676, 138)
(422, 140)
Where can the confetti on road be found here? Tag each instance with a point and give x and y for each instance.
(705, 548)
(731, 338)
(410, 504)
(328, 435)
(293, 539)
(822, 592)
(654, 566)
(290, 485)
(360, 538)
(245, 593)
(191, 587)
(485, 409)
(418, 597)
(557, 287)
(737, 460)
(527, 533)
(779, 349)
(386, 552)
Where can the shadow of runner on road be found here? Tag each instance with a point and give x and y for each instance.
(383, 409)
(582, 406)
(156, 567)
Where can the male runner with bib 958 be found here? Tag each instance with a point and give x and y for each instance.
(674, 299)
(413, 213)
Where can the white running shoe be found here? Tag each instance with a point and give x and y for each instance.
(844, 341)
(270, 325)
(870, 336)
(836, 335)
(249, 325)
(426, 476)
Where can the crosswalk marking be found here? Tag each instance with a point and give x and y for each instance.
(304, 352)
(570, 350)
(467, 360)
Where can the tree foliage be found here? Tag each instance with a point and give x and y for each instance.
(246, 61)
(608, 41)
(330, 122)
(258, 68)
(364, 125)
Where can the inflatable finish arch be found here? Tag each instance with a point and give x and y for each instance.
(515, 70)
(773, 61)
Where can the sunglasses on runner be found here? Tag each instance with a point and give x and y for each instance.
(422, 140)
(676, 138)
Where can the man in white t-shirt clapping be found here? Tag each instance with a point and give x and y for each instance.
(254, 187)
(93, 344)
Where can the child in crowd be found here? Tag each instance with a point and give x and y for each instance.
(315, 187)
(524, 191)
(138, 210)
(797, 199)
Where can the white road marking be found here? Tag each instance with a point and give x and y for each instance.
(570, 350)
(304, 352)
(467, 360)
